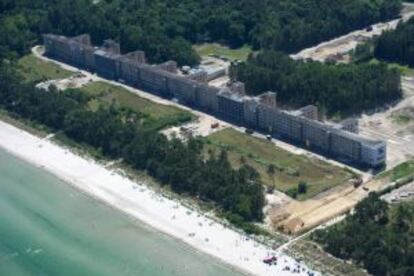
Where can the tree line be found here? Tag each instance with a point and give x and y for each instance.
(338, 89)
(397, 45)
(375, 236)
(167, 29)
(117, 134)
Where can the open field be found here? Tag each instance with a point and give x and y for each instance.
(37, 70)
(219, 50)
(401, 171)
(290, 168)
(302, 215)
(155, 115)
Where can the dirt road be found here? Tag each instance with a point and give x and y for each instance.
(339, 47)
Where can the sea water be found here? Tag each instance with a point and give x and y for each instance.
(47, 227)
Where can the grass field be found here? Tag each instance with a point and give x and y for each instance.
(399, 172)
(290, 168)
(37, 70)
(224, 51)
(155, 116)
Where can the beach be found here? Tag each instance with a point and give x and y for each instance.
(142, 203)
(40, 220)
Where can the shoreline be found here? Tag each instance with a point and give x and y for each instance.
(136, 221)
(141, 203)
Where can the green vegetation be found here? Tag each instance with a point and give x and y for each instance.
(402, 119)
(401, 175)
(313, 255)
(397, 45)
(114, 133)
(301, 189)
(152, 115)
(26, 125)
(403, 69)
(167, 29)
(215, 49)
(338, 89)
(399, 172)
(377, 236)
(289, 169)
(36, 70)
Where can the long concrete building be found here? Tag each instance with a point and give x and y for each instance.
(339, 141)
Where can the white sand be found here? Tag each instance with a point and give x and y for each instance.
(142, 203)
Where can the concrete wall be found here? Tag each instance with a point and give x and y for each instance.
(150, 79)
(251, 113)
(260, 112)
(129, 72)
(182, 89)
(231, 108)
(206, 98)
(107, 65)
(310, 112)
(316, 135)
(169, 66)
(373, 154)
(345, 146)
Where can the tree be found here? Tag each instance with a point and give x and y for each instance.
(271, 170)
(375, 235)
(397, 45)
(342, 89)
(158, 26)
(242, 160)
(302, 187)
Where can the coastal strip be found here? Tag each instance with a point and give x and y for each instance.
(141, 202)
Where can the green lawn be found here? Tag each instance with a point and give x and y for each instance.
(290, 168)
(224, 51)
(155, 115)
(401, 171)
(37, 70)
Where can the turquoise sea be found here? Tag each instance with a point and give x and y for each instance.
(49, 228)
